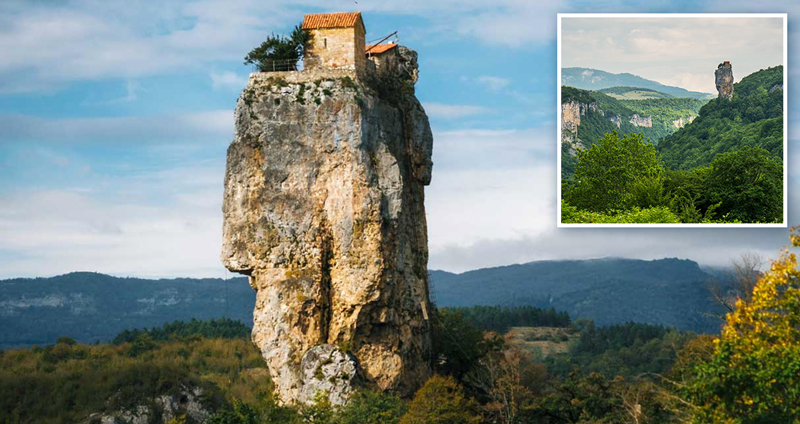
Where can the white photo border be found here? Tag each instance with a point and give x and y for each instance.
(783, 16)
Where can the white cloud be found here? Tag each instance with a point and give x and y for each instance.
(445, 111)
(493, 83)
(75, 230)
(228, 80)
(200, 125)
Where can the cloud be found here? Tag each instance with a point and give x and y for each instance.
(228, 80)
(493, 83)
(156, 224)
(195, 125)
(445, 111)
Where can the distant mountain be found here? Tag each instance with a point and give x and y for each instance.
(93, 307)
(594, 79)
(609, 291)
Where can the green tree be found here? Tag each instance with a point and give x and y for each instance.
(441, 401)
(457, 343)
(617, 174)
(372, 407)
(753, 375)
(749, 185)
(279, 52)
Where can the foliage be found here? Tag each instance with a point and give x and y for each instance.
(753, 375)
(441, 401)
(239, 413)
(458, 344)
(660, 214)
(277, 50)
(635, 91)
(66, 382)
(625, 350)
(615, 173)
(372, 407)
(748, 184)
(664, 113)
(92, 307)
(223, 328)
(500, 318)
(753, 117)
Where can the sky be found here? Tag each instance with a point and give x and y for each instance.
(682, 52)
(115, 118)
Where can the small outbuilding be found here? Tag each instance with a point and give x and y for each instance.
(337, 41)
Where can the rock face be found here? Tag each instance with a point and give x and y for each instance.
(571, 114)
(162, 409)
(641, 121)
(680, 122)
(724, 79)
(324, 210)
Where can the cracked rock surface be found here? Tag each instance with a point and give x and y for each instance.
(324, 210)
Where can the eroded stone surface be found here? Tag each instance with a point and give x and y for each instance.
(324, 210)
(724, 79)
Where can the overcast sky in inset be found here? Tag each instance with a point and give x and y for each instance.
(681, 52)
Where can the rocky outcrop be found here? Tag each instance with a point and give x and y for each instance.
(724, 80)
(641, 121)
(778, 86)
(680, 122)
(571, 114)
(615, 119)
(324, 210)
(187, 402)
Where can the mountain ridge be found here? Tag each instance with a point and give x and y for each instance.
(95, 307)
(599, 79)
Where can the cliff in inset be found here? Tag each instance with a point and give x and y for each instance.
(724, 79)
(324, 210)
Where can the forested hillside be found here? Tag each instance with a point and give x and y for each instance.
(634, 93)
(724, 166)
(669, 292)
(753, 117)
(91, 307)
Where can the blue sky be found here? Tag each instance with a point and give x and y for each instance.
(115, 117)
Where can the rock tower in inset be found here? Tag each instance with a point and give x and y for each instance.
(724, 79)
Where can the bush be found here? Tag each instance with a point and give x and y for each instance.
(441, 401)
(372, 407)
(278, 50)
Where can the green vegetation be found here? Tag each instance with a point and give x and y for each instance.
(68, 381)
(753, 117)
(634, 93)
(616, 173)
(223, 328)
(442, 401)
(500, 319)
(626, 180)
(596, 122)
(279, 52)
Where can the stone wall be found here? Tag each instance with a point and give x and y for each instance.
(336, 48)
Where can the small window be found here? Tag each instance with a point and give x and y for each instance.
(325, 40)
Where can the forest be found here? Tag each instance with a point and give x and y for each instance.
(726, 166)
(624, 373)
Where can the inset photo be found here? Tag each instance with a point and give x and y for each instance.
(672, 120)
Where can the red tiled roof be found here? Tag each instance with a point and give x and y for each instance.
(332, 20)
(379, 48)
